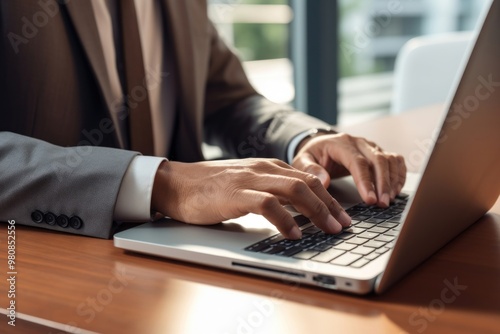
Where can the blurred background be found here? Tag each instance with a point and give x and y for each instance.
(333, 59)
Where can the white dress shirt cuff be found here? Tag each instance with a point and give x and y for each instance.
(292, 146)
(134, 197)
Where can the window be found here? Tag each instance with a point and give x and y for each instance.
(367, 35)
(372, 33)
(259, 31)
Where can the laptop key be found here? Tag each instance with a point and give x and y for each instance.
(344, 236)
(387, 225)
(395, 219)
(362, 250)
(354, 230)
(377, 209)
(359, 207)
(305, 255)
(382, 250)
(374, 244)
(321, 247)
(275, 239)
(259, 247)
(384, 238)
(345, 259)
(301, 220)
(378, 230)
(402, 196)
(384, 216)
(360, 263)
(372, 256)
(320, 237)
(328, 255)
(357, 241)
(368, 235)
(365, 225)
(311, 230)
(274, 249)
(291, 251)
(392, 233)
(334, 242)
(345, 246)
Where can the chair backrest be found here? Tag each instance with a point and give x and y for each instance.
(426, 68)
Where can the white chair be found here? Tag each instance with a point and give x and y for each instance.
(426, 68)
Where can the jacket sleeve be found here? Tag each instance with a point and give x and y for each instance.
(238, 119)
(71, 189)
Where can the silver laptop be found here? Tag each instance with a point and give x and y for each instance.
(459, 184)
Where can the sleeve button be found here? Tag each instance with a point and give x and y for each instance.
(62, 221)
(76, 222)
(50, 218)
(37, 216)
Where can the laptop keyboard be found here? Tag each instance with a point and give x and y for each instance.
(370, 235)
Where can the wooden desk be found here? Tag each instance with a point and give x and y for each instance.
(73, 282)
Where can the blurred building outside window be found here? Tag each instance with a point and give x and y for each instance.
(370, 33)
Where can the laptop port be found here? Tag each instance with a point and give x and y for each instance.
(325, 280)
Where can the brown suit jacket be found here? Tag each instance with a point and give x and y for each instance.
(54, 88)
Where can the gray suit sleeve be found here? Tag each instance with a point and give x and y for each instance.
(240, 121)
(256, 127)
(74, 182)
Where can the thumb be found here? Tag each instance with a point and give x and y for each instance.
(308, 164)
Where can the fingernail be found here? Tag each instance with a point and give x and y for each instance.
(324, 180)
(334, 225)
(372, 196)
(385, 199)
(295, 233)
(344, 219)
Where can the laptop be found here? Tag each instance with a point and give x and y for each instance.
(459, 184)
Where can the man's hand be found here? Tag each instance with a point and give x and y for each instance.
(379, 175)
(210, 192)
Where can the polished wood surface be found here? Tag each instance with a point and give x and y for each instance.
(80, 284)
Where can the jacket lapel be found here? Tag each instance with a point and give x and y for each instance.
(82, 16)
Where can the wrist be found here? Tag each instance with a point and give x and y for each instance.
(160, 189)
(313, 133)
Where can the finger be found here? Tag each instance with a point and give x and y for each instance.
(402, 173)
(360, 169)
(381, 169)
(307, 163)
(306, 193)
(267, 205)
(312, 191)
(393, 175)
(398, 172)
(383, 178)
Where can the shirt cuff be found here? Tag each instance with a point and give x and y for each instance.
(292, 147)
(134, 197)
